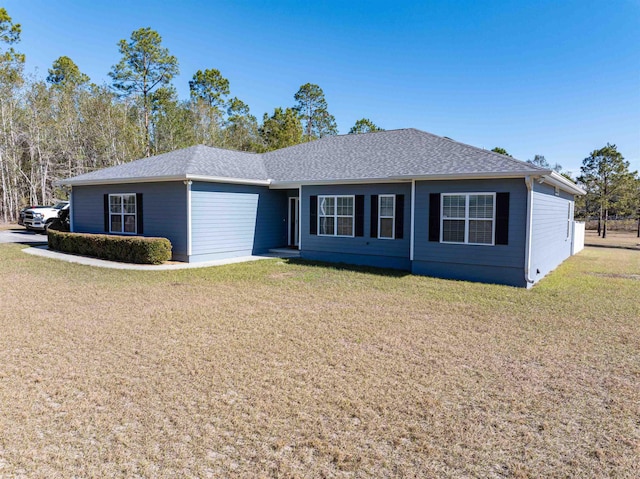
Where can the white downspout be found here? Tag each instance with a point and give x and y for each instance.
(413, 218)
(188, 183)
(529, 234)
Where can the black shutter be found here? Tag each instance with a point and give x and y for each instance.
(399, 216)
(359, 215)
(106, 213)
(374, 216)
(434, 217)
(502, 218)
(140, 227)
(313, 215)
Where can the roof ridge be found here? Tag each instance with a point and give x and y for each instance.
(190, 158)
(330, 137)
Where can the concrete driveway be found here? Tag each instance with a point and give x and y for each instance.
(21, 235)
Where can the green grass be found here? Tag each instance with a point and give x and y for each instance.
(282, 369)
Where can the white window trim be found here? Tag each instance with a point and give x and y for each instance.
(380, 217)
(336, 215)
(466, 218)
(122, 214)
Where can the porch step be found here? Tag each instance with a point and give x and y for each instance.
(285, 252)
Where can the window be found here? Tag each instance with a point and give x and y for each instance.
(335, 215)
(122, 213)
(468, 218)
(386, 216)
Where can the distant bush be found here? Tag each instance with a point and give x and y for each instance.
(128, 249)
(614, 225)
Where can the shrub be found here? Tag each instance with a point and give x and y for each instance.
(614, 225)
(128, 249)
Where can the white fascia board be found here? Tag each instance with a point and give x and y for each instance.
(161, 179)
(115, 181)
(349, 181)
(474, 176)
(222, 179)
(400, 179)
(556, 179)
(550, 176)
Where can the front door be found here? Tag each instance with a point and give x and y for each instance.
(294, 215)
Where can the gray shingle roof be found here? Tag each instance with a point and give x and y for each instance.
(386, 154)
(196, 160)
(377, 155)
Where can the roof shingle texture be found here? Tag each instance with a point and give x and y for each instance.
(385, 154)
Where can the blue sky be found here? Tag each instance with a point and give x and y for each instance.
(557, 78)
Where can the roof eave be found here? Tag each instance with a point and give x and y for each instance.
(556, 179)
(275, 184)
(472, 176)
(405, 178)
(160, 179)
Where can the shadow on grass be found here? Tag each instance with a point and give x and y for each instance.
(386, 272)
(612, 246)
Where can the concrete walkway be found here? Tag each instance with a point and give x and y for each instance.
(101, 263)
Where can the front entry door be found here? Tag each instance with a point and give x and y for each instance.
(294, 215)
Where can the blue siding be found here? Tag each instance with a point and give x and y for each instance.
(501, 264)
(383, 253)
(164, 210)
(236, 220)
(550, 245)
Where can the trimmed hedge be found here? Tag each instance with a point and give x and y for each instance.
(128, 249)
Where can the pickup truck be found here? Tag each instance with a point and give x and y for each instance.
(24, 210)
(39, 219)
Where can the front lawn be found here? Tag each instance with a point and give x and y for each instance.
(614, 239)
(283, 369)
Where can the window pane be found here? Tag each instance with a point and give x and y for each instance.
(129, 224)
(453, 231)
(480, 206)
(345, 226)
(116, 223)
(386, 228)
(345, 205)
(115, 204)
(453, 206)
(480, 231)
(386, 206)
(327, 206)
(326, 225)
(129, 202)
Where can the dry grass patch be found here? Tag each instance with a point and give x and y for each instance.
(278, 369)
(614, 239)
(10, 226)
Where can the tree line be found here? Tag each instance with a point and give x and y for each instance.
(612, 189)
(67, 125)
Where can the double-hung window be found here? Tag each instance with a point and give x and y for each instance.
(122, 213)
(386, 216)
(468, 218)
(335, 215)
